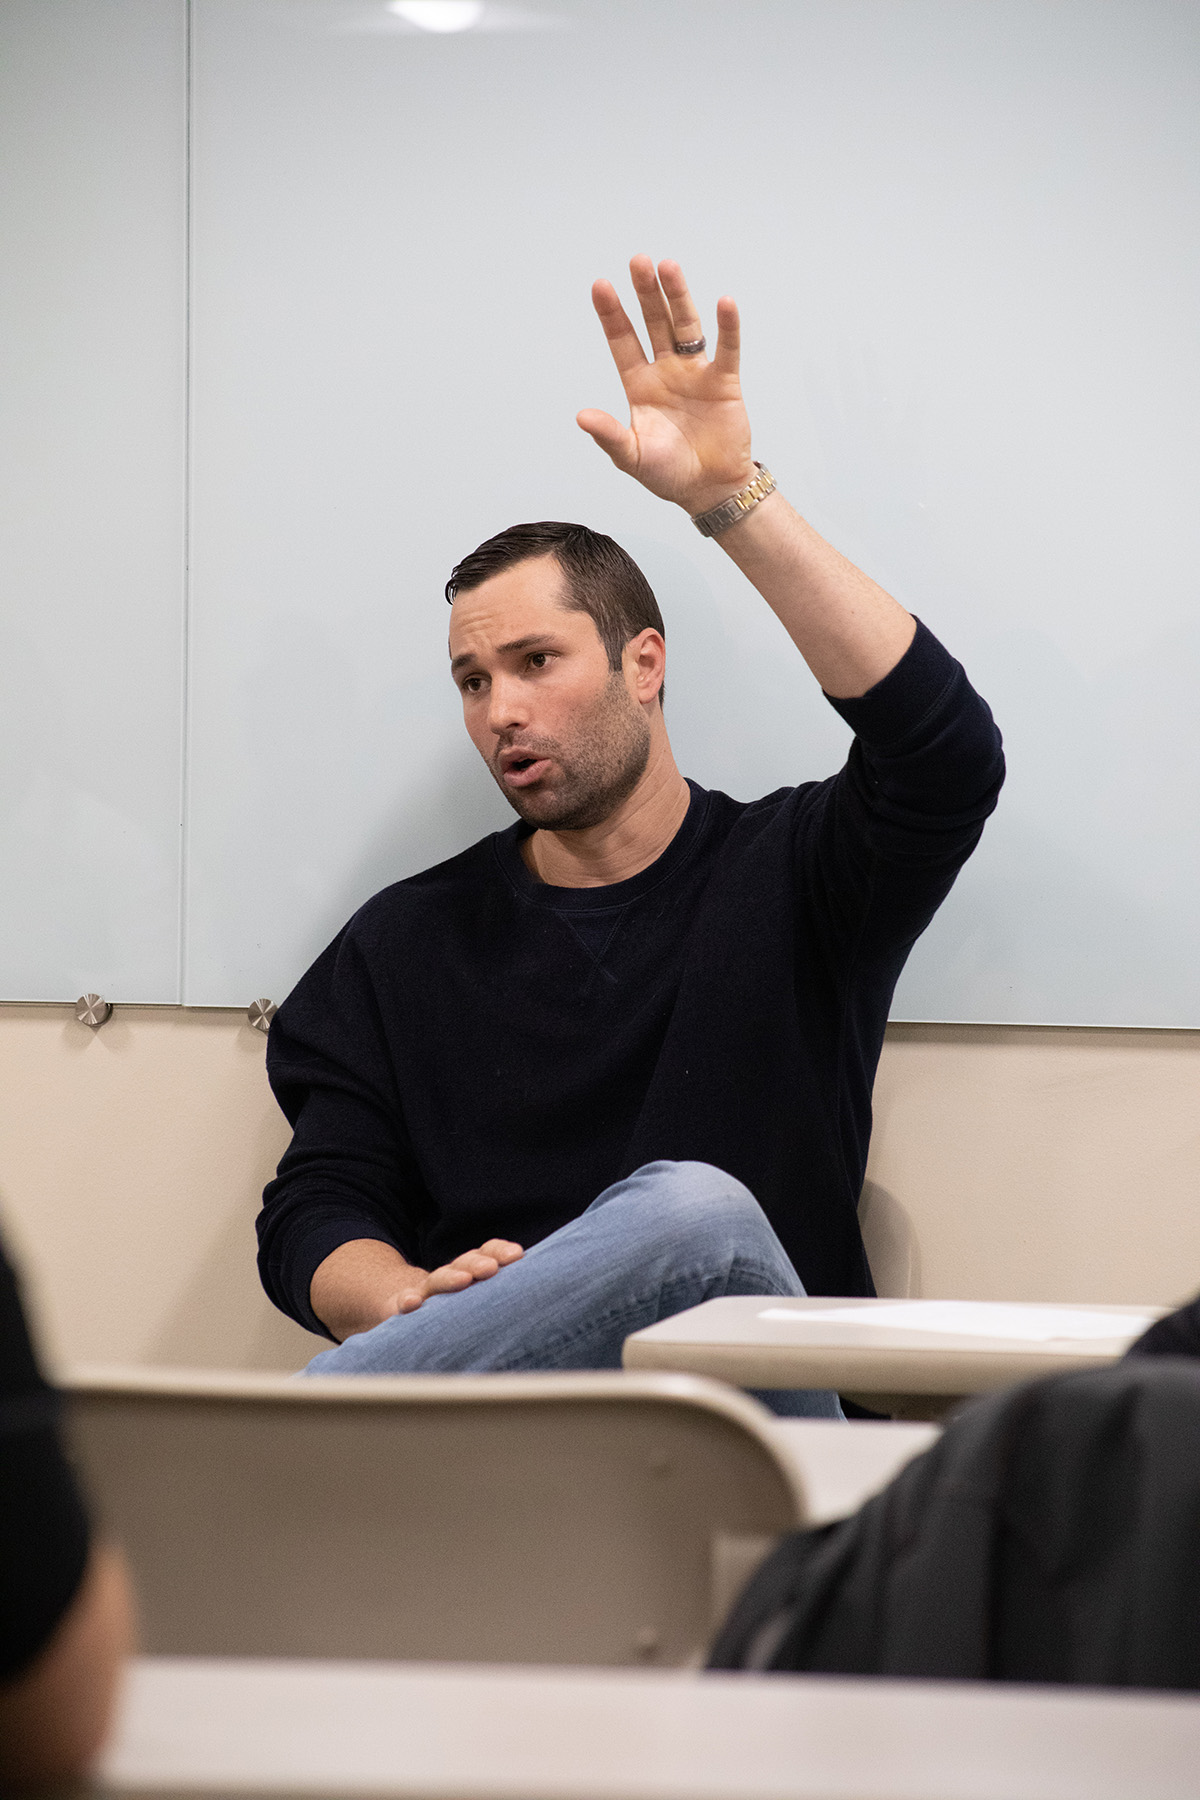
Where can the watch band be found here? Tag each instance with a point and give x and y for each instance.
(720, 518)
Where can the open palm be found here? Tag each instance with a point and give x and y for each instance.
(688, 437)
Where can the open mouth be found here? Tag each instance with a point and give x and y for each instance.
(520, 770)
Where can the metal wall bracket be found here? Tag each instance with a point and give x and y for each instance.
(92, 1010)
(261, 1013)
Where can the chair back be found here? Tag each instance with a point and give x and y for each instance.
(588, 1518)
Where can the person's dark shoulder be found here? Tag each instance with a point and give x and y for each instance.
(449, 887)
(747, 848)
(43, 1526)
(738, 825)
(20, 1377)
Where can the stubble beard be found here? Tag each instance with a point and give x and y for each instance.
(596, 775)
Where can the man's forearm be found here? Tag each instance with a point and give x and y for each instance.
(360, 1284)
(848, 630)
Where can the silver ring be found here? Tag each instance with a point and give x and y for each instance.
(693, 347)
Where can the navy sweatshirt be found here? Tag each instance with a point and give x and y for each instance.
(479, 1055)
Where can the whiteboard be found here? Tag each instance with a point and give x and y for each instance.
(93, 259)
(963, 235)
(964, 240)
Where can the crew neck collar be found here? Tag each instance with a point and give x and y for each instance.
(612, 893)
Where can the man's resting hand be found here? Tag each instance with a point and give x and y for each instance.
(364, 1282)
(452, 1277)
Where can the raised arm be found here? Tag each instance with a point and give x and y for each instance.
(688, 441)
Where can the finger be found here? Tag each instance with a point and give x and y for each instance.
(410, 1303)
(449, 1279)
(477, 1265)
(623, 340)
(655, 310)
(729, 336)
(615, 440)
(685, 320)
(503, 1250)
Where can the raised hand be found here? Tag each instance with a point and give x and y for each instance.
(688, 437)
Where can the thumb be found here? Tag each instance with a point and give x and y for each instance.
(617, 441)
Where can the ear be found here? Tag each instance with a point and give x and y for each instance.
(644, 660)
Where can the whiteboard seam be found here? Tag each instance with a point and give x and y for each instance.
(186, 644)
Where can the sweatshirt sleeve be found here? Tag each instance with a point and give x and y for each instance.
(349, 1171)
(923, 774)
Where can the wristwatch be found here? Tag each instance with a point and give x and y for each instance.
(719, 518)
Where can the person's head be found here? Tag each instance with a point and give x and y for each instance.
(557, 646)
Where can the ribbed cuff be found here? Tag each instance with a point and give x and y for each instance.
(897, 705)
(291, 1276)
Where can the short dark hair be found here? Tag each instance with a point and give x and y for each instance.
(600, 578)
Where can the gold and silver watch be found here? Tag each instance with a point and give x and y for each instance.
(719, 518)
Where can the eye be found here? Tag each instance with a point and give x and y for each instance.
(538, 659)
(472, 684)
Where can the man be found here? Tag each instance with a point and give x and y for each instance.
(619, 1058)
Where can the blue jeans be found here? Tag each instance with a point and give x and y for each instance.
(669, 1236)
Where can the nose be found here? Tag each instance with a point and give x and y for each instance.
(507, 707)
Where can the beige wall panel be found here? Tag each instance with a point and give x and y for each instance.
(1013, 1162)
(1008, 1163)
(131, 1163)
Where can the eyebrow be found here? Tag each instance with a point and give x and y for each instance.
(542, 638)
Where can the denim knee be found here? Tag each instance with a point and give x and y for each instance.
(681, 1199)
(696, 1186)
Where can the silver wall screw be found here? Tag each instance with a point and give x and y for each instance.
(91, 1009)
(261, 1013)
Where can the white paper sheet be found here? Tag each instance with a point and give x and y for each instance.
(974, 1318)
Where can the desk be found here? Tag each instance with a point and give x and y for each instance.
(839, 1468)
(418, 1732)
(886, 1351)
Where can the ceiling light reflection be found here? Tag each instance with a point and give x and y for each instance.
(439, 15)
